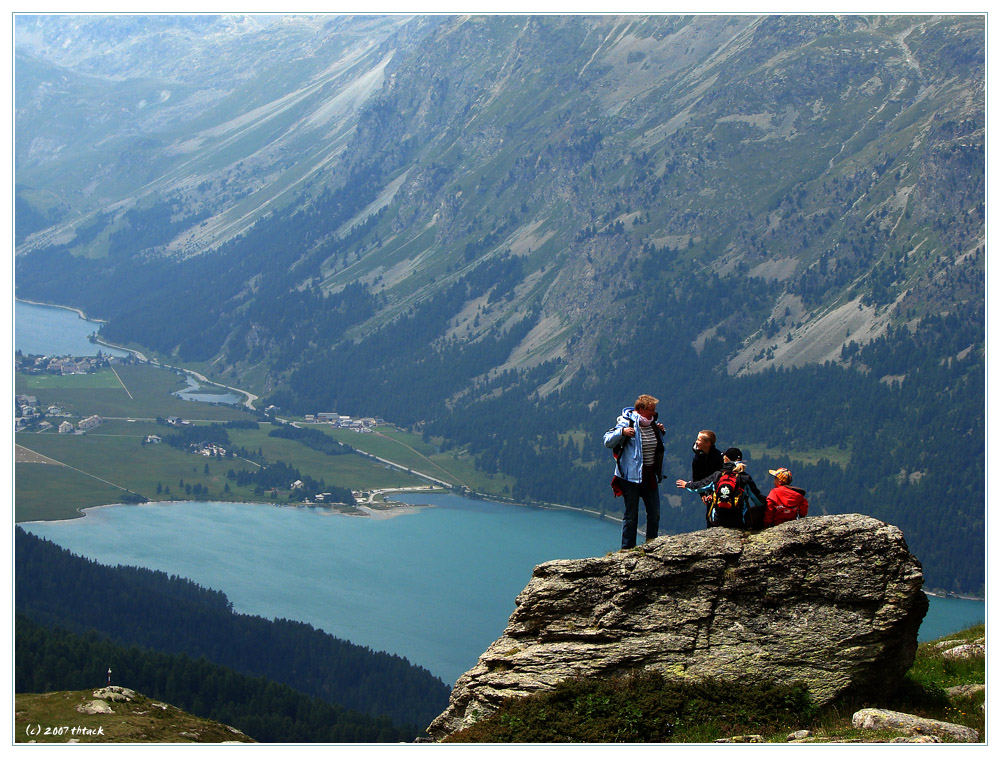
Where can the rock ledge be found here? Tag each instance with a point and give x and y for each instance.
(833, 602)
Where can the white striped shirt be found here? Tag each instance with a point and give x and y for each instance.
(648, 437)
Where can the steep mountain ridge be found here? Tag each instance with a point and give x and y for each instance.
(204, 114)
(509, 209)
(639, 140)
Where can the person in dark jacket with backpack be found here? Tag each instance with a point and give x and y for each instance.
(637, 442)
(706, 461)
(736, 500)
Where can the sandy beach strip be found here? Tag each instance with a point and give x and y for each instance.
(380, 514)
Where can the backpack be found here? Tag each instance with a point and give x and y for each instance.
(728, 491)
(616, 451)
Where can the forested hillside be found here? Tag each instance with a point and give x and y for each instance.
(775, 224)
(139, 607)
(259, 707)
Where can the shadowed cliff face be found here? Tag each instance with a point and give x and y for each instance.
(834, 602)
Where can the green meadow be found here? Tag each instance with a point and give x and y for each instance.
(809, 456)
(348, 470)
(410, 450)
(143, 392)
(99, 467)
(44, 492)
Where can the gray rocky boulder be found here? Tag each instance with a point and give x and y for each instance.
(962, 652)
(833, 602)
(879, 719)
(965, 690)
(94, 707)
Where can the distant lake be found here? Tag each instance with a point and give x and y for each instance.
(47, 330)
(436, 586)
(194, 392)
(51, 330)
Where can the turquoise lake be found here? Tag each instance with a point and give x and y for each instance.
(435, 586)
(46, 330)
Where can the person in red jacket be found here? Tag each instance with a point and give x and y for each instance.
(784, 502)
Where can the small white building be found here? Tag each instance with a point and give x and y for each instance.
(90, 422)
(65, 428)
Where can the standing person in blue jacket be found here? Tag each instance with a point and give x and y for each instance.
(637, 440)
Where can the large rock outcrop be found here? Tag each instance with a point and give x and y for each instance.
(833, 602)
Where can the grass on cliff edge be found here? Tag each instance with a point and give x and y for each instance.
(646, 707)
(54, 717)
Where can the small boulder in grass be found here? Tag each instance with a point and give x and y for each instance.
(879, 718)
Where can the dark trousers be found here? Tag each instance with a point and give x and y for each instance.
(734, 518)
(649, 492)
(731, 518)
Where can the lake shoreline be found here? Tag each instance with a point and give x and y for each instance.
(391, 509)
(459, 565)
(73, 308)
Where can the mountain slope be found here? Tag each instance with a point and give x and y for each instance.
(513, 208)
(827, 159)
(116, 113)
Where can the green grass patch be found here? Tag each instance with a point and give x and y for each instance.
(809, 457)
(101, 379)
(350, 470)
(410, 450)
(643, 707)
(157, 472)
(149, 386)
(44, 492)
(406, 449)
(53, 717)
(115, 452)
(931, 669)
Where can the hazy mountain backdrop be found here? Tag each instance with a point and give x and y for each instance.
(500, 229)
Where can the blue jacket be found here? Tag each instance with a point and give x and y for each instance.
(631, 457)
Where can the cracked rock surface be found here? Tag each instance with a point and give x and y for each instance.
(833, 602)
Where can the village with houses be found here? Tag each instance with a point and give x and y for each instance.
(62, 365)
(31, 415)
(28, 413)
(340, 421)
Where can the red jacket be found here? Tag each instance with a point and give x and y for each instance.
(785, 503)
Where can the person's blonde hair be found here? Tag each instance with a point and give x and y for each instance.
(646, 401)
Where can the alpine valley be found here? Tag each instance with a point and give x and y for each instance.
(498, 230)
